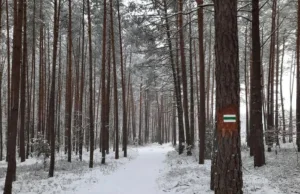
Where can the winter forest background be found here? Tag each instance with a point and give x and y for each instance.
(90, 86)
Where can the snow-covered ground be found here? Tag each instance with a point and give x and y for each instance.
(154, 169)
(32, 178)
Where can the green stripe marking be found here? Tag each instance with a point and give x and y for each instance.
(230, 118)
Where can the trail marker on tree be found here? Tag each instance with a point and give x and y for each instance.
(229, 118)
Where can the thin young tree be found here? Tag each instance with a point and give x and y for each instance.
(228, 170)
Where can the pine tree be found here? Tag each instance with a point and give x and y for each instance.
(256, 126)
(228, 170)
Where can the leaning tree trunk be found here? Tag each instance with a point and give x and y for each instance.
(228, 171)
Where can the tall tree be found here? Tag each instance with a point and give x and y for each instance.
(23, 87)
(8, 73)
(228, 171)
(176, 80)
(125, 138)
(202, 83)
(116, 110)
(1, 80)
(298, 80)
(192, 109)
(91, 106)
(281, 92)
(256, 90)
(51, 115)
(14, 111)
(270, 119)
(184, 77)
(103, 85)
(69, 100)
(80, 122)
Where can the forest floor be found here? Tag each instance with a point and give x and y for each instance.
(153, 169)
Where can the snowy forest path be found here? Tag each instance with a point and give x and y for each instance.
(136, 177)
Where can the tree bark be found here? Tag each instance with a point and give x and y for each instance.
(116, 105)
(91, 106)
(184, 78)
(256, 90)
(125, 138)
(51, 115)
(14, 111)
(228, 171)
(281, 94)
(201, 84)
(270, 119)
(298, 81)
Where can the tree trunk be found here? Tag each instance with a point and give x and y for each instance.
(91, 106)
(14, 111)
(298, 81)
(103, 88)
(228, 171)
(291, 85)
(192, 115)
(175, 74)
(184, 78)
(281, 93)
(8, 77)
(270, 120)
(277, 128)
(256, 126)
(125, 138)
(202, 84)
(140, 118)
(51, 115)
(116, 105)
(23, 88)
(246, 87)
